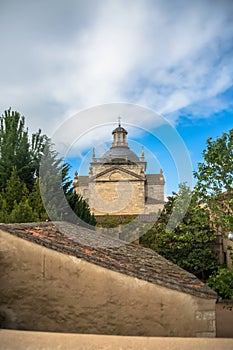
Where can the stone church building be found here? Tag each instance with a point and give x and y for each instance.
(117, 183)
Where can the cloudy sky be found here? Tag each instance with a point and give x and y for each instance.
(172, 57)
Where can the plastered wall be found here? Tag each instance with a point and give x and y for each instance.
(43, 290)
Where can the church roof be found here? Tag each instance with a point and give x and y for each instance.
(120, 152)
(110, 253)
(152, 179)
(119, 169)
(120, 129)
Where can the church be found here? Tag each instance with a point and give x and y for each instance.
(118, 184)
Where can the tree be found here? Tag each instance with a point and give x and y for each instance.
(215, 180)
(14, 205)
(50, 182)
(80, 208)
(30, 167)
(189, 244)
(18, 150)
(222, 282)
(36, 203)
(22, 212)
(14, 190)
(58, 195)
(3, 208)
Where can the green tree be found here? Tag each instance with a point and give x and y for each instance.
(190, 243)
(14, 206)
(222, 282)
(18, 150)
(22, 212)
(36, 203)
(80, 208)
(59, 197)
(13, 191)
(53, 185)
(215, 180)
(21, 159)
(3, 208)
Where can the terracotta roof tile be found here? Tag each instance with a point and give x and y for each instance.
(129, 259)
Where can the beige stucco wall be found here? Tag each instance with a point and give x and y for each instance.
(44, 290)
(21, 340)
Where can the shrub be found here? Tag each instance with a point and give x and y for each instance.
(222, 282)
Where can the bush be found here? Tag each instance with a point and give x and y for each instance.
(110, 221)
(222, 282)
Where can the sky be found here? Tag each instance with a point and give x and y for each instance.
(166, 67)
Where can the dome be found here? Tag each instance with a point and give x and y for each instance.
(120, 153)
(120, 129)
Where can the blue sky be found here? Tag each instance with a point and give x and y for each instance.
(61, 58)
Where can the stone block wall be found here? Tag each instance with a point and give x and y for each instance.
(119, 198)
(228, 251)
(155, 191)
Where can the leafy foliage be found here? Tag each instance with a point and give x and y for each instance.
(35, 202)
(215, 180)
(22, 212)
(80, 208)
(20, 185)
(222, 282)
(59, 197)
(14, 190)
(17, 150)
(109, 221)
(189, 244)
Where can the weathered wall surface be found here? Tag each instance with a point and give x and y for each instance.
(44, 290)
(117, 192)
(120, 190)
(153, 208)
(21, 340)
(224, 319)
(113, 197)
(155, 191)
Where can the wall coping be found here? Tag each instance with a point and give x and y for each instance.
(21, 340)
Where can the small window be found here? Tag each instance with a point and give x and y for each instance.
(224, 258)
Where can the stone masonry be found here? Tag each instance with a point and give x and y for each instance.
(117, 183)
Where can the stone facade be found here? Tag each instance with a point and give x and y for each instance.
(117, 183)
(224, 249)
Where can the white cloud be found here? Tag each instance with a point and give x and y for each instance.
(76, 136)
(60, 57)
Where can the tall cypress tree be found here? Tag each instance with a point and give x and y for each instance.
(18, 150)
(30, 167)
(13, 191)
(59, 197)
